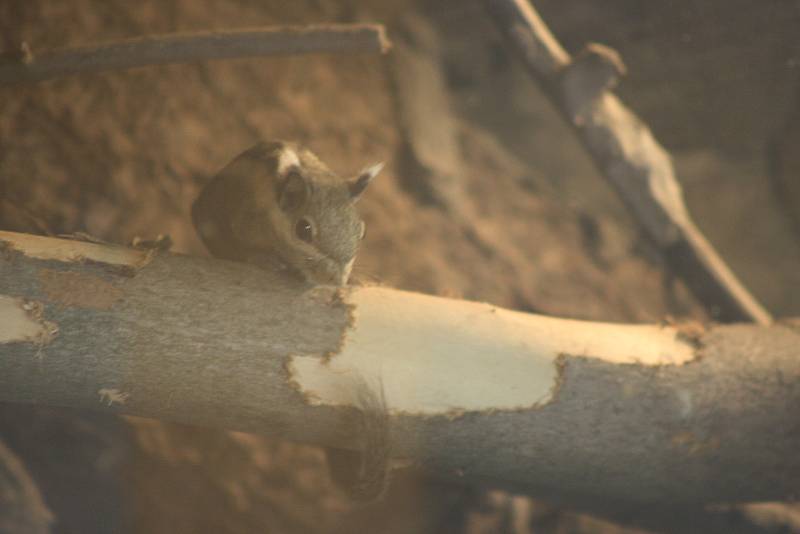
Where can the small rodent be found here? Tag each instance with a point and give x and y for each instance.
(278, 206)
(277, 203)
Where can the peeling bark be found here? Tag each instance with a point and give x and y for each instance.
(571, 411)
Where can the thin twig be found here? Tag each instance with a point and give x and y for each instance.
(627, 155)
(192, 47)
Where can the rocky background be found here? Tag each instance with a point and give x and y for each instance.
(486, 195)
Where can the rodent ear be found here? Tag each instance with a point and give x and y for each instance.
(293, 191)
(363, 179)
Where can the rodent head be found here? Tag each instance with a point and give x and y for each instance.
(299, 210)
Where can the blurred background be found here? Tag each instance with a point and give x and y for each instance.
(487, 195)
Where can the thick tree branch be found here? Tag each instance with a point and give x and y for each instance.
(628, 156)
(574, 411)
(192, 47)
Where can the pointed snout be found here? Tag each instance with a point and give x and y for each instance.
(328, 272)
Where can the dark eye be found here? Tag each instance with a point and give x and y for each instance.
(303, 230)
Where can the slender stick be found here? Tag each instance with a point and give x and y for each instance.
(627, 155)
(191, 47)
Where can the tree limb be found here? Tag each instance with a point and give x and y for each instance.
(192, 47)
(627, 155)
(572, 411)
(22, 507)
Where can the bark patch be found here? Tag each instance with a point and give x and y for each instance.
(78, 289)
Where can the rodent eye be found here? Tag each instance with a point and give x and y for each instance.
(303, 230)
